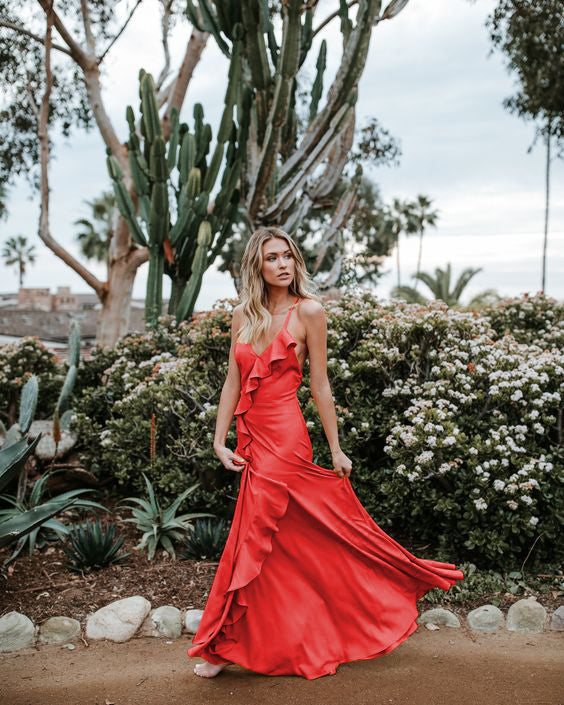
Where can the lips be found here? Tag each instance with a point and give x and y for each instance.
(283, 275)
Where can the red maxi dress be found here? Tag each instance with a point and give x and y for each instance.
(307, 579)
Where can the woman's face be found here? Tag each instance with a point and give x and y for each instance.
(278, 265)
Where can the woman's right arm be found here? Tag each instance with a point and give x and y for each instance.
(228, 401)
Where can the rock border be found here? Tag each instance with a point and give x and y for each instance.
(130, 617)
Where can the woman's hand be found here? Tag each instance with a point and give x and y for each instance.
(342, 465)
(228, 458)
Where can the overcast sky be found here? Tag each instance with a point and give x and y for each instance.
(430, 81)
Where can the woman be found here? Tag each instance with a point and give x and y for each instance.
(307, 579)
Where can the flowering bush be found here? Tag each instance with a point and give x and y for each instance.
(18, 361)
(453, 426)
(535, 319)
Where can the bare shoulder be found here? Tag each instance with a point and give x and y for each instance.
(237, 313)
(312, 310)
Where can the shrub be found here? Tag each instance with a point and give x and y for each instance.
(454, 429)
(18, 362)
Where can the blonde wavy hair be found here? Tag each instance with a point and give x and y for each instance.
(254, 291)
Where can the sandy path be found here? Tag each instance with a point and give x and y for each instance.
(446, 667)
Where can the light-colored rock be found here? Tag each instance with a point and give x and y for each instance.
(557, 621)
(165, 621)
(527, 616)
(58, 630)
(16, 632)
(439, 616)
(486, 618)
(45, 449)
(40, 426)
(119, 620)
(430, 626)
(192, 620)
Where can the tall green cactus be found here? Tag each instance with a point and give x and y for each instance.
(278, 184)
(182, 238)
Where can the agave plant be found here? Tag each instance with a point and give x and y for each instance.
(207, 541)
(21, 509)
(160, 526)
(92, 546)
(13, 456)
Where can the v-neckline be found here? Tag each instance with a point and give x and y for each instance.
(284, 326)
(268, 346)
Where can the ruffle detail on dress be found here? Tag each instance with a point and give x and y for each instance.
(265, 502)
(262, 367)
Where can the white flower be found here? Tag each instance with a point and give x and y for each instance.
(526, 499)
(534, 521)
(480, 504)
(498, 484)
(512, 504)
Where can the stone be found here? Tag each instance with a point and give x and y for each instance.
(526, 616)
(58, 630)
(16, 632)
(165, 621)
(45, 449)
(486, 618)
(192, 620)
(431, 627)
(119, 620)
(439, 616)
(557, 621)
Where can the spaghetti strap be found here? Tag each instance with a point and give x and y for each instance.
(290, 312)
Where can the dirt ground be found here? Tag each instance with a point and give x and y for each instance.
(445, 667)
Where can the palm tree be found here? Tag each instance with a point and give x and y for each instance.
(17, 251)
(423, 217)
(400, 218)
(440, 288)
(94, 236)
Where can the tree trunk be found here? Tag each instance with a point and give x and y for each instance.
(547, 199)
(113, 321)
(419, 258)
(398, 256)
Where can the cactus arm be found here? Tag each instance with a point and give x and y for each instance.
(124, 202)
(285, 195)
(200, 263)
(346, 79)
(285, 72)
(74, 342)
(317, 87)
(28, 403)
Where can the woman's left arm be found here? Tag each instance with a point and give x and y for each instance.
(313, 316)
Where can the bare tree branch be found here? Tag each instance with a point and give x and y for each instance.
(90, 41)
(43, 134)
(118, 35)
(165, 30)
(77, 52)
(194, 48)
(37, 38)
(331, 17)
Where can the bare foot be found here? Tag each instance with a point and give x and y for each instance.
(209, 670)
